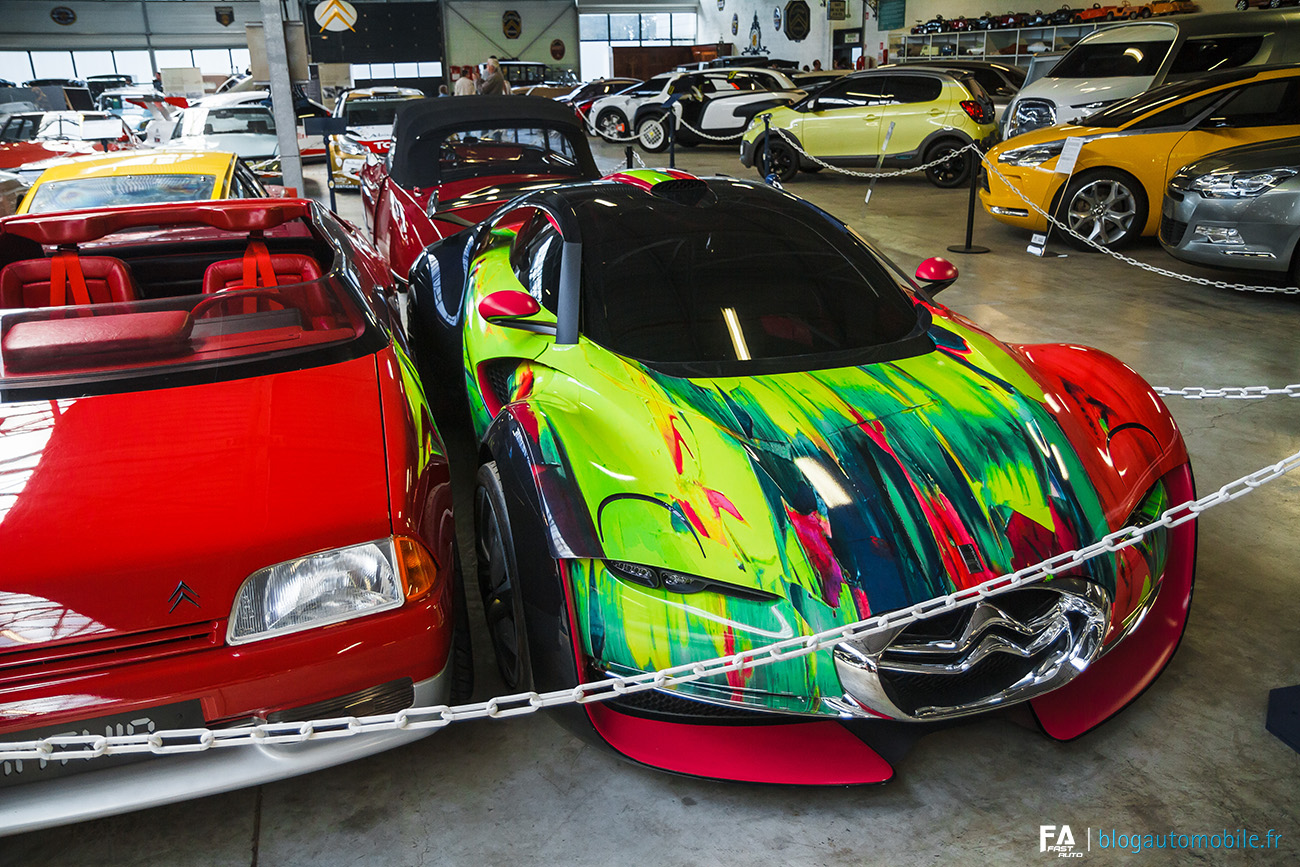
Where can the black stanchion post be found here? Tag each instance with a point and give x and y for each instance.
(627, 151)
(329, 174)
(973, 164)
(672, 139)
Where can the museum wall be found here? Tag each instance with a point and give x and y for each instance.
(715, 25)
(474, 31)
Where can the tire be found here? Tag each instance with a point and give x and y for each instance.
(1110, 16)
(949, 174)
(611, 125)
(652, 130)
(462, 648)
(498, 574)
(782, 160)
(1144, 12)
(1106, 206)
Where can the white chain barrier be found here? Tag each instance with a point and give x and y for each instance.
(177, 741)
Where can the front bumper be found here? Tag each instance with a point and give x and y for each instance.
(1003, 205)
(166, 779)
(1265, 236)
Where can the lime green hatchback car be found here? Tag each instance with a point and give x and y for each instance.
(910, 116)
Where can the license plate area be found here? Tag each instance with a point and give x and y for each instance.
(14, 772)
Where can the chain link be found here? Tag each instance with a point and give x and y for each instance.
(892, 174)
(591, 128)
(1231, 392)
(64, 747)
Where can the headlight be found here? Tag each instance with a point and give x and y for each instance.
(1241, 185)
(352, 146)
(329, 587)
(1032, 155)
(680, 582)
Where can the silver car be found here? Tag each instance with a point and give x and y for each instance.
(1237, 208)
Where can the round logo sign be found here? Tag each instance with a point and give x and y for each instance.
(735, 24)
(511, 24)
(557, 49)
(335, 15)
(63, 15)
(776, 18)
(722, 4)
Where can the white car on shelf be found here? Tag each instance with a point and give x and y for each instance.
(710, 105)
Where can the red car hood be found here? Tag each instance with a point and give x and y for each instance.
(108, 503)
(19, 153)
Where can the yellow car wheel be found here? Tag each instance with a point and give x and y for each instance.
(1107, 207)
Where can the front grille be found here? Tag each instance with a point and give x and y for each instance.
(49, 662)
(654, 704)
(386, 698)
(1172, 231)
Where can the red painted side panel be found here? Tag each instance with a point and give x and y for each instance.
(1120, 676)
(807, 754)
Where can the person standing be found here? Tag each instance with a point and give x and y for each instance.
(493, 82)
(465, 85)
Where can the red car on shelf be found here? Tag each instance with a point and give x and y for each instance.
(222, 499)
(455, 160)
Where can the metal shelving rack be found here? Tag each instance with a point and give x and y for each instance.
(1011, 45)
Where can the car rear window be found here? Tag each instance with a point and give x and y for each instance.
(1137, 57)
(1215, 53)
(501, 150)
(82, 193)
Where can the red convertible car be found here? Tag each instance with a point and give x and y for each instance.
(456, 160)
(222, 499)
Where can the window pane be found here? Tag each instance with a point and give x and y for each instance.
(1218, 52)
(684, 26)
(213, 61)
(430, 70)
(239, 57)
(406, 70)
(594, 59)
(360, 71)
(593, 27)
(173, 58)
(53, 64)
(656, 27)
(93, 63)
(134, 64)
(382, 70)
(625, 28)
(15, 66)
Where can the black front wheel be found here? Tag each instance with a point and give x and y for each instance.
(498, 580)
(781, 161)
(953, 171)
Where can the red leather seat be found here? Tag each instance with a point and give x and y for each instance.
(286, 269)
(27, 283)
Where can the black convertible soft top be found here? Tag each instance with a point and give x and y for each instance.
(420, 122)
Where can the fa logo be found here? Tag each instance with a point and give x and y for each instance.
(1060, 841)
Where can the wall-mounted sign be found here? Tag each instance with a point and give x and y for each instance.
(557, 49)
(63, 15)
(776, 19)
(722, 4)
(755, 38)
(511, 24)
(798, 20)
(225, 15)
(335, 15)
(837, 10)
(735, 24)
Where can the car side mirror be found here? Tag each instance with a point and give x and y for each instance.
(509, 306)
(936, 274)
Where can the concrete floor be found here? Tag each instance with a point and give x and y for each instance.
(1190, 756)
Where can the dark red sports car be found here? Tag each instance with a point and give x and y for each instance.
(456, 160)
(222, 499)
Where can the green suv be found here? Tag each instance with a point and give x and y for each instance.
(932, 112)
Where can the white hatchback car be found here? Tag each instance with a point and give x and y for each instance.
(712, 105)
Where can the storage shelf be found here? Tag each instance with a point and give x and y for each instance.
(1011, 45)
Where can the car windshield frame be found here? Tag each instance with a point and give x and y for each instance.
(102, 191)
(373, 109)
(1130, 110)
(1078, 61)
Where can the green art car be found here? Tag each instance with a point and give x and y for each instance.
(709, 417)
(895, 117)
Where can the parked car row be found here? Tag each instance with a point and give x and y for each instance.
(1064, 15)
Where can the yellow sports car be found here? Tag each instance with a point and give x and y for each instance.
(369, 112)
(141, 177)
(1131, 149)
